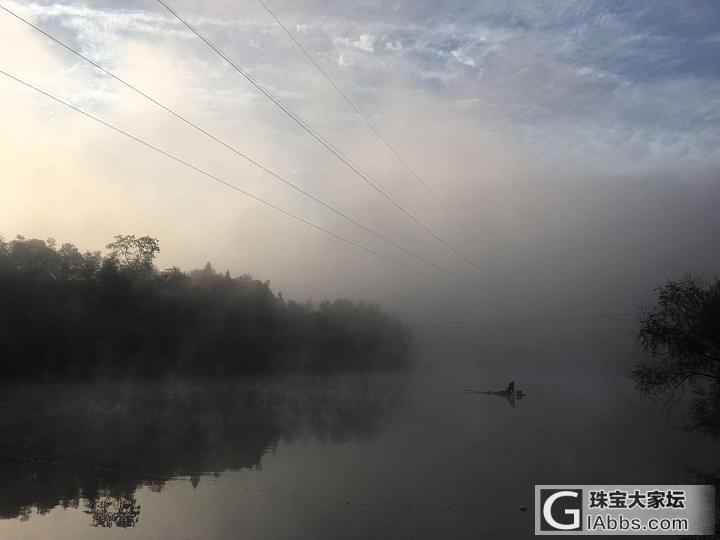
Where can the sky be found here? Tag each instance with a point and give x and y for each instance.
(575, 145)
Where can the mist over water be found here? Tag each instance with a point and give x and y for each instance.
(357, 456)
(576, 150)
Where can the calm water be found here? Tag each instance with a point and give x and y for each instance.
(386, 456)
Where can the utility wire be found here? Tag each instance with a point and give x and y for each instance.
(216, 178)
(322, 140)
(524, 322)
(365, 119)
(232, 148)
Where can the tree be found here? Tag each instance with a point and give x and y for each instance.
(134, 253)
(66, 314)
(682, 335)
(34, 258)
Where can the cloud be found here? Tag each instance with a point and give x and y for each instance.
(491, 102)
(366, 42)
(342, 63)
(458, 55)
(574, 64)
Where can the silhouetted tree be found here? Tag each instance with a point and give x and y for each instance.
(68, 314)
(682, 334)
(134, 253)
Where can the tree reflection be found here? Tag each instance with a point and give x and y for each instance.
(95, 444)
(114, 512)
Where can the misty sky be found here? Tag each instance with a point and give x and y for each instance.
(578, 140)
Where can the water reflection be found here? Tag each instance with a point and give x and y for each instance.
(511, 397)
(113, 512)
(410, 456)
(94, 445)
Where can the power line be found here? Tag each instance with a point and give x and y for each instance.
(322, 140)
(216, 178)
(364, 118)
(605, 317)
(232, 148)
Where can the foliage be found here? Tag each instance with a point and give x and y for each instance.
(70, 314)
(137, 253)
(682, 334)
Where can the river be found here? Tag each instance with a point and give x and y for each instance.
(404, 455)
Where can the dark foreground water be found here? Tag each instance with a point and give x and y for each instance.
(383, 456)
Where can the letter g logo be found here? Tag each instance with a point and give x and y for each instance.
(561, 509)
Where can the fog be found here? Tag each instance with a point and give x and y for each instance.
(585, 169)
(573, 148)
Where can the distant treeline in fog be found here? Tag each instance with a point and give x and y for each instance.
(64, 314)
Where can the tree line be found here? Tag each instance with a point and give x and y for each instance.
(68, 314)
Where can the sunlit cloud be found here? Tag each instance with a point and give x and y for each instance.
(493, 104)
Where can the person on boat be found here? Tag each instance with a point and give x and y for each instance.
(511, 388)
